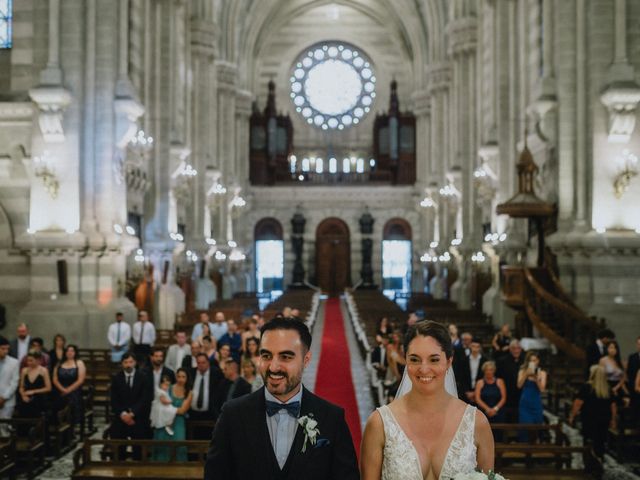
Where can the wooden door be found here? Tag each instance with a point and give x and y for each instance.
(333, 256)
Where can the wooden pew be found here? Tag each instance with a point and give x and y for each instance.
(199, 425)
(87, 427)
(8, 457)
(546, 459)
(60, 432)
(88, 466)
(30, 442)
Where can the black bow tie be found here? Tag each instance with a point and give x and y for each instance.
(292, 408)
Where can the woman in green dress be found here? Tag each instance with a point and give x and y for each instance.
(180, 394)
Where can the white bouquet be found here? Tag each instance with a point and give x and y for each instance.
(479, 475)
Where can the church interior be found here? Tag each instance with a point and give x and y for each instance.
(367, 163)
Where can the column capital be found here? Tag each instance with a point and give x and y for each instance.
(244, 100)
(438, 76)
(463, 35)
(421, 100)
(51, 102)
(203, 37)
(226, 74)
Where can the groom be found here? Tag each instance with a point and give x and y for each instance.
(258, 436)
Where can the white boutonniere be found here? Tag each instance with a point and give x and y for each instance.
(310, 429)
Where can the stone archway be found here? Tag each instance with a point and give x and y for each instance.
(333, 256)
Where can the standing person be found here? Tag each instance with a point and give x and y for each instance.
(181, 397)
(491, 395)
(130, 404)
(612, 365)
(598, 411)
(68, 378)
(119, 336)
(598, 349)
(508, 368)
(178, 351)
(189, 361)
(533, 381)
(219, 327)
(233, 338)
(251, 332)
(158, 368)
(19, 346)
(252, 350)
(143, 336)
(250, 374)
(266, 422)
(471, 371)
(233, 385)
(633, 367)
(210, 347)
(35, 386)
(501, 341)
(379, 360)
(56, 354)
(37, 345)
(205, 387)
(9, 379)
(453, 333)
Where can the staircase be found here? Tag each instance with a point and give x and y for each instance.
(538, 293)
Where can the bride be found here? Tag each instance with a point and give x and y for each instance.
(426, 433)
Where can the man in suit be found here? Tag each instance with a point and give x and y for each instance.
(472, 371)
(158, 370)
(206, 383)
(508, 367)
(598, 349)
(233, 385)
(460, 355)
(178, 351)
(9, 376)
(19, 346)
(130, 403)
(266, 422)
(379, 359)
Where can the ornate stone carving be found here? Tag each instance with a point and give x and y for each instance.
(51, 102)
(438, 77)
(244, 100)
(463, 35)
(15, 112)
(421, 102)
(621, 101)
(203, 37)
(226, 73)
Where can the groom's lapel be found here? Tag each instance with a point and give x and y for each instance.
(257, 420)
(295, 454)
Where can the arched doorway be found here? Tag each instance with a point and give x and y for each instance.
(333, 256)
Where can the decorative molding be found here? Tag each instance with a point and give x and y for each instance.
(51, 102)
(128, 111)
(438, 77)
(463, 35)
(622, 102)
(203, 37)
(226, 74)
(16, 112)
(244, 100)
(421, 103)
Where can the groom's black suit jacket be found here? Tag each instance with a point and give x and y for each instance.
(241, 448)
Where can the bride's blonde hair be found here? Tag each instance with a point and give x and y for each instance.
(435, 330)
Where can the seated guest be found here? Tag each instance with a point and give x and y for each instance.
(508, 368)
(9, 379)
(471, 370)
(143, 338)
(197, 332)
(178, 351)
(209, 347)
(56, 354)
(597, 409)
(19, 346)
(119, 336)
(295, 314)
(379, 360)
(35, 386)
(532, 380)
(598, 349)
(501, 341)
(219, 327)
(491, 394)
(37, 345)
(453, 333)
(205, 387)
(250, 374)
(130, 404)
(233, 385)
(68, 377)
(158, 369)
(615, 373)
(234, 339)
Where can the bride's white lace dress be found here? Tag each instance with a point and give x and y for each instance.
(401, 460)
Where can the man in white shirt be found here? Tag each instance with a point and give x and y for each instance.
(119, 335)
(9, 376)
(20, 346)
(220, 326)
(178, 351)
(198, 327)
(143, 337)
(473, 369)
(205, 384)
(158, 370)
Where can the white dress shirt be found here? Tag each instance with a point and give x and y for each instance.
(148, 333)
(175, 355)
(219, 329)
(157, 374)
(119, 334)
(282, 428)
(196, 391)
(474, 364)
(23, 347)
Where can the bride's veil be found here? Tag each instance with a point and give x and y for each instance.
(449, 384)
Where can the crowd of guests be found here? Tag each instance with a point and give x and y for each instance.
(507, 383)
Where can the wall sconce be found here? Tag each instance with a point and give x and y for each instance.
(43, 170)
(629, 170)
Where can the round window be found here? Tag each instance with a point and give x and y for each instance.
(333, 85)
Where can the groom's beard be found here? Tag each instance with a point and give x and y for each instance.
(286, 385)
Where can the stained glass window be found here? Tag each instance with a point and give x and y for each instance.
(5, 23)
(333, 85)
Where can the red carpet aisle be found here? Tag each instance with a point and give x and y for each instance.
(334, 381)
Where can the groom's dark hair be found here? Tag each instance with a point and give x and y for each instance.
(279, 323)
(435, 330)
